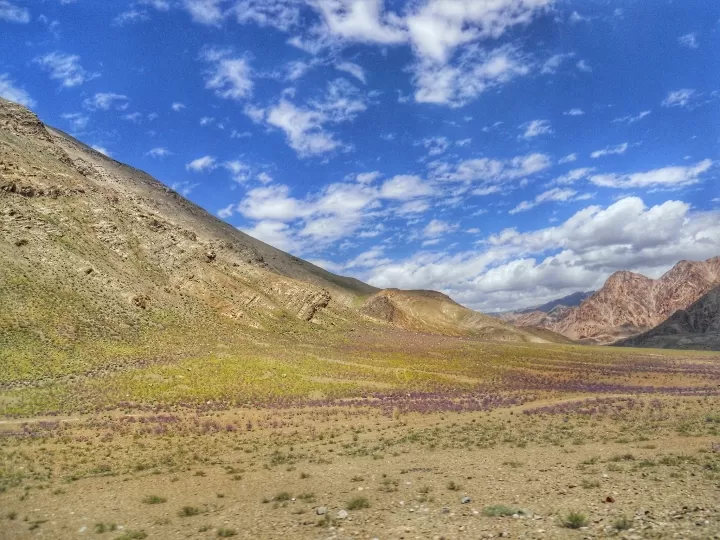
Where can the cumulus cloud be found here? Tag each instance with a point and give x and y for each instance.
(66, 68)
(159, 152)
(202, 164)
(105, 101)
(12, 13)
(535, 128)
(305, 126)
(516, 269)
(9, 90)
(229, 76)
(490, 171)
(666, 177)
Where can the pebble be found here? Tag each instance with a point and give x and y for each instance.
(321, 511)
(342, 514)
(465, 500)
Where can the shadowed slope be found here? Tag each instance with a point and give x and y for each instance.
(697, 327)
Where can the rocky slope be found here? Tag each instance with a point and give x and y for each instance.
(697, 327)
(544, 315)
(430, 311)
(629, 303)
(99, 254)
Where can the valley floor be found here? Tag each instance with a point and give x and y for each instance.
(454, 439)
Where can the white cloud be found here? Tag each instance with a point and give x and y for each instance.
(203, 164)
(610, 150)
(304, 127)
(206, 120)
(353, 69)
(65, 68)
(666, 177)
(135, 117)
(437, 228)
(102, 150)
(280, 14)
(574, 112)
(159, 152)
(177, 106)
(689, 40)
(568, 159)
(184, 188)
(229, 76)
(631, 119)
(105, 101)
(491, 171)
(554, 194)
(435, 145)
(206, 12)
(275, 233)
(516, 269)
(10, 91)
(552, 64)
(573, 176)
(405, 187)
(361, 21)
(582, 65)
(15, 14)
(680, 98)
(536, 128)
(241, 172)
(475, 72)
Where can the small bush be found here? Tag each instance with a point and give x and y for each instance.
(105, 527)
(358, 503)
(589, 484)
(575, 520)
(452, 486)
(622, 524)
(226, 533)
(189, 511)
(283, 496)
(500, 510)
(132, 535)
(154, 499)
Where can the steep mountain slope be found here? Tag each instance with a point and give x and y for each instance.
(99, 260)
(697, 327)
(430, 311)
(630, 303)
(571, 300)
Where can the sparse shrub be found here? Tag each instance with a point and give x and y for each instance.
(622, 523)
(189, 511)
(304, 475)
(589, 484)
(575, 520)
(226, 533)
(452, 486)
(154, 499)
(105, 527)
(358, 503)
(282, 496)
(11, 515)
(132, 535)
(500, 510)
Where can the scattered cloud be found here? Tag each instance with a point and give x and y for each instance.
(572, 176)
(105, 101)
(102, 150)
(177, 106)
(10, 91)
(203, 164)
(159, 152)
(631, 119)
(610, 150)
(568, 159)
(666, 177)
(554, 194)
(12, 13)
(689, 40)
(78, 121)
(535, 128)
(65, 68)
(353, 69)
(229, 76)
(574, 112)
(680, 98)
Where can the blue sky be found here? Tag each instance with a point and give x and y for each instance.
(504, 151)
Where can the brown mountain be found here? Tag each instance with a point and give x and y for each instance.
(697, 327)
(98, 256)
(630, 303)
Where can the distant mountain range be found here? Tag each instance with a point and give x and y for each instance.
(629, 304)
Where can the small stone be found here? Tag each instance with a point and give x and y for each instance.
(445, 510)
(342, 514)
(321, 511)
(465, 500)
